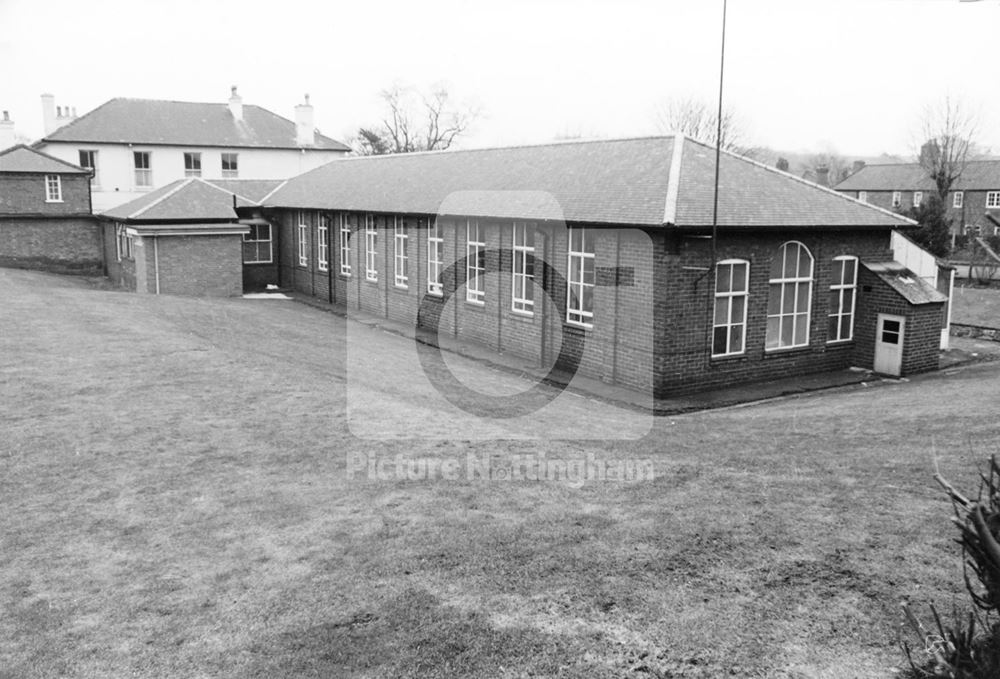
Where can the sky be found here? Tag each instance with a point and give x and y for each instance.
(845, 76)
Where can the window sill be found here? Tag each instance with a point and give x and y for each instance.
(345, 275)
(401, 289)
(837, 344)
(373, 281)
(526, 315)
(258, 263)
(729, 358)
(53, 201)
(588, 327)
(784, 351)
(476, 304)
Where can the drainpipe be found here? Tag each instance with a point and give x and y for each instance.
(156, 263)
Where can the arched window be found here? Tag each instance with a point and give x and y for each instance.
(843, 286)
(789, 297)
(729, 327)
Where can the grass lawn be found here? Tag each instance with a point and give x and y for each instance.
(174, 502)
(977, 306)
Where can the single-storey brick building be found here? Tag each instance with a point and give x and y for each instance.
(184, 238)
(800, 278)
(45, 214)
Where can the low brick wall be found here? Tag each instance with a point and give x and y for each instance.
(61, 245)
(975, 332)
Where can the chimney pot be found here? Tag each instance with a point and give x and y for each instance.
(236, 104)
(6, 116)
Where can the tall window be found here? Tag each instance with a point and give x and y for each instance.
(399, 253)
(53, 188)
(230, 166)
(323, 242)
(789, 297)
(303, 240)
(863, 196)
(580, 296)
(897, 198)
(345, 245)
(523, 268)
(435, 249)
(143, 171)
(257, 244)
(731, 288)
(475, 263)
(918, 198)
(844, 283)
(959, 199)
(993, 199)
(371, 249)
(192, 164)
(88, 159)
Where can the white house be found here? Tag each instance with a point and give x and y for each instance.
(136, 145)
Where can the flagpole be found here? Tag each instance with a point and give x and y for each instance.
(718, 138)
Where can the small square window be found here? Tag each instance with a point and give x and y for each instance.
(897, 198)
(993, 199)
(53, 188)
(918, 198)
(959, 199)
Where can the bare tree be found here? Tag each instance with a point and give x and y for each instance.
(698, 119)
(948, 131)
(414, 121)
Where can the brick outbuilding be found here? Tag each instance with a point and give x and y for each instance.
(599, 254)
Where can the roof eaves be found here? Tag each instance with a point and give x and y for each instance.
(674, 180)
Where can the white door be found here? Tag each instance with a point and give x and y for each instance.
(889, 344)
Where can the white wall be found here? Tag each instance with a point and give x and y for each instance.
(924, 265)
(115, 180)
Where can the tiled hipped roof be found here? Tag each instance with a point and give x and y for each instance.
(153, 121)
(978, 175)
(650, 181)
(194, 199)
(22, 159)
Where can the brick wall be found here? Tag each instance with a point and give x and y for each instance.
(653, 333)
(199, 265)
(62, 245)
(26, 193)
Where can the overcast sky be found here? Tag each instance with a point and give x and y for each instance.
(810, 75)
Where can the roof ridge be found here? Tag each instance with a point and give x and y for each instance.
(272, 191)
(674, 180)
(167, 194)
(561, 142)
(232, 193)
(827, 189)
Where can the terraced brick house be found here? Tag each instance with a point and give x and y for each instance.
(973, 203)
(134, 146)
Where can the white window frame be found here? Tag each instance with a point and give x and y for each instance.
(844, 288)
(93, 164)
(780, 286)
(897, 198)
(371, 249)
(53, 188)
(992, 199)
(195, 157)
(253, 236)
(303, 240)
(143, 176)
(727, 299)
(521, 262)
(958, 199)
(322, 241)
(577, 280)
(345, 246)
(918, 198)
(863, 196)
(475, 262)
(435, 258)
(119, 241)
(232, 172)
(399, 253)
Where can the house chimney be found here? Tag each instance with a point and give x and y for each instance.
(236, 104)
(305, 126)
(823, 175)
(782, 164)
(857, 166)
(49, 114)
(6, 132)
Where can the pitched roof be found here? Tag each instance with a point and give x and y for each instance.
(22, 158)
(982, 175)
(154, 121)
(648, 181)
(912, 287)
(194, 199)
